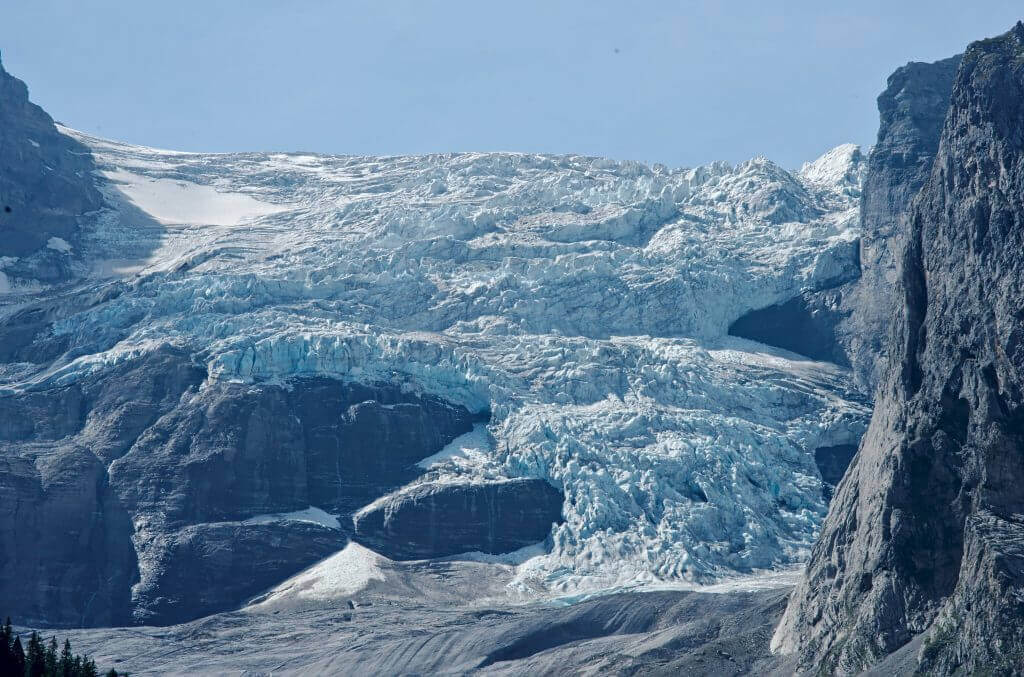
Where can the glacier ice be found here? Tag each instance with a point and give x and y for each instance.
(582, 302)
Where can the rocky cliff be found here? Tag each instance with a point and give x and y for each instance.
(146, 493)
(911, 112)
(46, 189)
(925, 533)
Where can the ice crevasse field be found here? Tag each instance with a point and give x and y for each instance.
(581, 305)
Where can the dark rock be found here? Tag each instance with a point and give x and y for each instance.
(235, 451)
(46, 186)
(832, 463)
(440, 519)
(210, 567)
(66, 556)
(925, 533)
(122, 494)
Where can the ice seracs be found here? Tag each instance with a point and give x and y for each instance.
(581, 302)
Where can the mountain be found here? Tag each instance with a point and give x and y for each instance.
(921, 553)
(258, 357)
(46, 193)
(384, 405)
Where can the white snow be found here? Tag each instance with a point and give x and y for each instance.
(340, 575)
(473, 447)
(172, 201)
(310, 514)
(59, 244)
(583, 302)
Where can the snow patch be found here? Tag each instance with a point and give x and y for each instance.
(341, 575)
(473, 448)
(171, 201)
(59, 244)
(310, 514)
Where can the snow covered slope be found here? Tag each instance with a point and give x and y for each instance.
(582, 302)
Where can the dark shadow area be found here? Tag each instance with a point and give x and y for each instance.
(805, 324)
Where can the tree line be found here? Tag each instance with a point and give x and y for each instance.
(38, 658)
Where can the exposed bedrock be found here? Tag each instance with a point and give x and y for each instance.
(911, 113)
(205, 568)
(925, 536)
(437, 519)
(46, 187)
(125, 494)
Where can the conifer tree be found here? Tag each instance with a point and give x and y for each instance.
(19, 657)
(50, 658)
(35, 657)
(66, 666)
(6, 651)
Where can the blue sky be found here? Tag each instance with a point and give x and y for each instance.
(681, 83)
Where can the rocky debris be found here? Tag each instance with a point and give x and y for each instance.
(438, 519)
(924, 535)
(46, 188)
(670, 633)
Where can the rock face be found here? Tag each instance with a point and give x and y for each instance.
(46, 187)
(440, 519)
(124, 496)
(925, 533)
(911, 112)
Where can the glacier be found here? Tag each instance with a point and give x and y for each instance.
(581, 303)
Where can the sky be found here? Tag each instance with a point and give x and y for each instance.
(680, 83)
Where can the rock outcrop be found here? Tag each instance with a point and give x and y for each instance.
(437, 519)
(911, 112)
(124, 497)
(925, 533)
(46, 188)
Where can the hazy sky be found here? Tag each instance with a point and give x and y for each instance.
(681, 83)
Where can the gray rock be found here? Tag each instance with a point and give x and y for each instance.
(46, 187)
(122, 494)
(925, 533)
(431, 519)
(207, 568)
(911, 113)
(668, 633)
